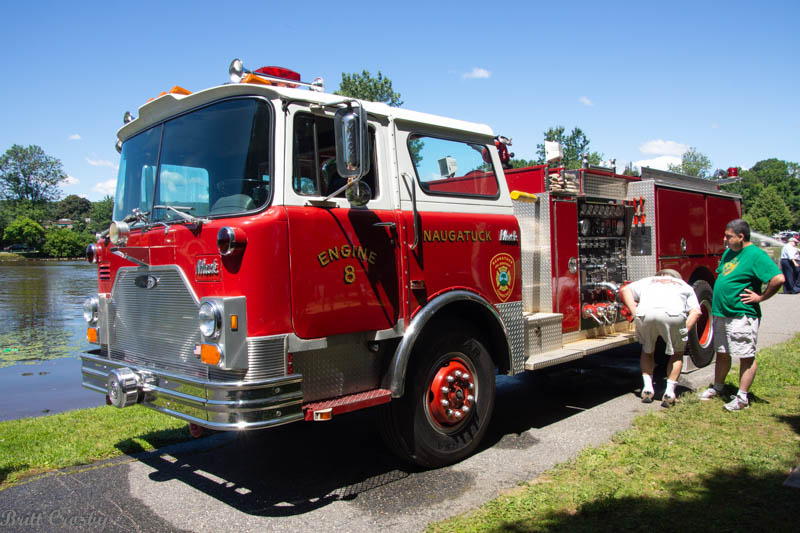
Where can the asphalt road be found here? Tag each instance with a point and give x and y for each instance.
(338, 476)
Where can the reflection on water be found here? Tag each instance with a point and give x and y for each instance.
(41, 320)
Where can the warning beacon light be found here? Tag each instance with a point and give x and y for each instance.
(277, 76)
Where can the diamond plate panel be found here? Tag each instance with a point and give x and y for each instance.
(543, 333)
(526, 213)
(604, 186)
(346, 366)
(534, 221)
(511, 313)
(642, 266)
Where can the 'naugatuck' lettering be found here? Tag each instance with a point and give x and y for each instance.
(346, 251)
(455, 236)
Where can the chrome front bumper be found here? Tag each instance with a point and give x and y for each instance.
(231, 405)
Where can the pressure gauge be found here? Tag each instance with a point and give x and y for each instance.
(584, 226)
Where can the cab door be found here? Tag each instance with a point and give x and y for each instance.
(343, 259)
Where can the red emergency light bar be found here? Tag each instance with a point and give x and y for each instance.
(277, 76)
(733, 172)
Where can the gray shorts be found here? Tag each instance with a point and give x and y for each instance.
(658, 323)
(737, 336)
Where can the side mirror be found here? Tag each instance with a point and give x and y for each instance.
(359, 193)
(352, 142)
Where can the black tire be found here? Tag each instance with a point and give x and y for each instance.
(417, 427)
(701, 338)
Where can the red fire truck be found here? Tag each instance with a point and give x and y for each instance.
(281, 254)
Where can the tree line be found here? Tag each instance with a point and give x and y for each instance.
(31, 206)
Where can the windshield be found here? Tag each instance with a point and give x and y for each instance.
(213, 161)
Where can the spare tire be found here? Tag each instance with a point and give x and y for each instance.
(701, 338)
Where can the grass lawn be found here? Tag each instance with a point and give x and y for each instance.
(30, 446)
(693, 468)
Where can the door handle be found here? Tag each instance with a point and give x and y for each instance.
(385, 225)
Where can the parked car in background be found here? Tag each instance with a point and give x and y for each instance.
(17, 248)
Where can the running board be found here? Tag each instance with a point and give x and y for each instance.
(324, 410)
(578, 349)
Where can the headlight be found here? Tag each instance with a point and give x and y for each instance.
(210, 319)
(118, 233)
(90, 309)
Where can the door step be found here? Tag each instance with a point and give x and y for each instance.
(578, 349)
(324, 410)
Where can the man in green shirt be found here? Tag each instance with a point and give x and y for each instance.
(742, 271)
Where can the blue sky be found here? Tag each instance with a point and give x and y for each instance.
(644, 80)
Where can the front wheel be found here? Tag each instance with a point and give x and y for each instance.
(701, 338)
(448, 402)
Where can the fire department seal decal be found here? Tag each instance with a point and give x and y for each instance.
(502, 270)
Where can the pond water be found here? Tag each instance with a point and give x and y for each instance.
(42, 333)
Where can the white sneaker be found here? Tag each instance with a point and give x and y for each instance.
(709, 393)
(737, 404)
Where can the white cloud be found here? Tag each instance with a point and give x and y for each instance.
(71, 180)
(585, 101)
(477, 73)
(661, 162)
(663, 148)
(74, 137)
(106, 187)
(99, 162)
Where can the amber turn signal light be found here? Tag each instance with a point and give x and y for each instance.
(210, 354)
(91, 335)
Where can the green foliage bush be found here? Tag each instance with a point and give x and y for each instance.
(24, 230)
(66, 243)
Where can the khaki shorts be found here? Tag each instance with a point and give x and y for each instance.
(658, 323)
(737, 336)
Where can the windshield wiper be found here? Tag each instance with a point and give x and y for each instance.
(136, 216)
(177, 209)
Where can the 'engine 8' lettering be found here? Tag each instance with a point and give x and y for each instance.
(346, 251)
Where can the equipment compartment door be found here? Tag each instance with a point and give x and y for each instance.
(564, 228)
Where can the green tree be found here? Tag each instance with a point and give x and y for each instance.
(575, 147)
(693, 163)
(631, 170)
(768, 204)
(24, 230)
(760, 224)
(365, 87)
(101, 214)
(776, 173)
(73, 207)
(522, 163)
(27, 173)
(66, 243)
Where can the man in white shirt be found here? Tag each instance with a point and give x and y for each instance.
(663, 306)
(790, 261)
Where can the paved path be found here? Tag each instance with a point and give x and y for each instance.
(338, 476)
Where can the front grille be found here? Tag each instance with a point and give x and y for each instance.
(155, 327)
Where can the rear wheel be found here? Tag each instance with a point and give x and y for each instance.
(448, 402)
(701, 338)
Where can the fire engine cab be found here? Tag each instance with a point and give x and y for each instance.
(281, 254)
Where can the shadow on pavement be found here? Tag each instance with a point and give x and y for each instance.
(737, 500)
(298, 468)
